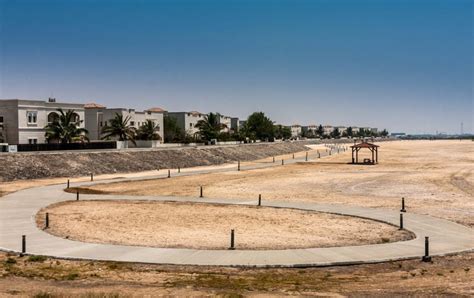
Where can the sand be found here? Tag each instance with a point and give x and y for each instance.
(205, 226)
(435, 177)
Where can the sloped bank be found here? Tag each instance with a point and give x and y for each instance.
(72, 164)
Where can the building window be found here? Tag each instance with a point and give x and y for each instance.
(105, 123)
(100, 123)
(76, 118)
(132, 123)
(190, 125)
(1, 119)
(32, 117)
(53, 117)
(32, 141)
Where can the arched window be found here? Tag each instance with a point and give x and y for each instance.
(76, 118)
(53, 116)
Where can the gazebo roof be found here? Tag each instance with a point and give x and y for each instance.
(365, 145)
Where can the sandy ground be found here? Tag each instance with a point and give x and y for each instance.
(38, 277)
(204, 226)
(435, 177)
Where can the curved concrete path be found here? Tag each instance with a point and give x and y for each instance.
(18, 210)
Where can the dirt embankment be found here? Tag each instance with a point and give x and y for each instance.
(73, 164)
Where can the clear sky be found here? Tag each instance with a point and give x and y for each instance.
(404, 65)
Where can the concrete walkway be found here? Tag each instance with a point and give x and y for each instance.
(18, 210)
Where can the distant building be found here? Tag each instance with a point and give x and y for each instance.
(234, 124)
(296, 130)
(187, 121)
(23, 121)
(328, 129)
(341, 129)
(98, 116)
(226, 120)
(310, 129)
(398, 134)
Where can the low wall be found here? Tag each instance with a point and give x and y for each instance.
(16, 166)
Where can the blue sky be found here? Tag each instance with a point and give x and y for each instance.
(401, 65)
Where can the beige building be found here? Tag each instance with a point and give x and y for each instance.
(296, 130)
(23, 121)
(98, 116)
(187, 121)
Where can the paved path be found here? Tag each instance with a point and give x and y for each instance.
(17, 217)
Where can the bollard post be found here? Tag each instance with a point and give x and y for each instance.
(179, 169)
(426, 257)
(260, 200)
(403, 206)
(200, 193)
(92, 176)
(401, 221)
(273, 159)
(330, 152)
(23, 244)
(238, 165)
(67, 183)
(232, 240)
(46, 221)
(77, 195)
(293, 156)
(306, 158)
(169, 173)
(282, 162)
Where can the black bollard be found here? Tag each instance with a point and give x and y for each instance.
(179, 170)
(23, 244)
(426, 257)
(67, 183)
(238, 165)
(282, 162)
(403, 206)
(259, 200)
(232, 240)
(77, 195)
(330, 152)
(169, 173)
(200, 194)
(274, 159)
(92, 176)
(293, 156)
(46, 221)
(401, 221)
(306, 158)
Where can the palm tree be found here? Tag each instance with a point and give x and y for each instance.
(210, 126)
(320, 131)
(349, 131)
(65, 128)
(149, 131)
(120, 129)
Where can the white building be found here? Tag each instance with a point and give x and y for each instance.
(295, 130)
(23, 121)
(226, 120)
(98, 116)
(328, 129)
(187, 121)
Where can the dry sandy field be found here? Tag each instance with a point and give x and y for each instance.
(435, 177)
(206, 226)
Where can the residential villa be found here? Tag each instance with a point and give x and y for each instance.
(98, 116)
(187, 121)
(310, 129)
(327, 129)
(23, 121)
(296, 130)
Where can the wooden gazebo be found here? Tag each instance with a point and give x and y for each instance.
(372, 147)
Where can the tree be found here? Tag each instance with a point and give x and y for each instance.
(120, 129)
(336, 133)
(149, 131)
(349, 131)
(282, 132)
(384, 133)
(172, 132)
(259, 127)
(320, 131)
(361, 133)
(65, 128)
(210, 127)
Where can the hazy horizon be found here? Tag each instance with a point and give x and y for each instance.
(401, 65)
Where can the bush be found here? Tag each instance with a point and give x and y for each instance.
(36, 258)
